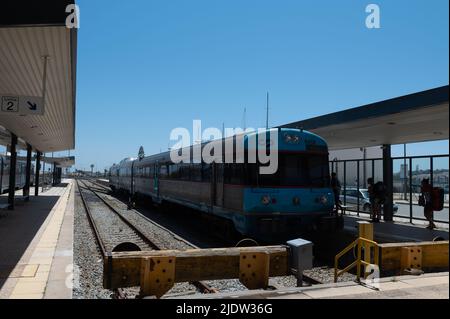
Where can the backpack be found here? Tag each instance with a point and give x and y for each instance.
(437, 199)
(380, 192)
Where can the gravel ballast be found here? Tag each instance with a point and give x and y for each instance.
(88, 259)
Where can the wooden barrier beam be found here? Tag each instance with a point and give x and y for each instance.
(434, 254)
(123, 269)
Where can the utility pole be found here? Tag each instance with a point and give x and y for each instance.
(267, 112)
(245, 118)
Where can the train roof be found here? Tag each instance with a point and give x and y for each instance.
(165, 156)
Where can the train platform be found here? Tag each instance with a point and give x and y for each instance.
(36, 245)
(427, 286)
(398, 230)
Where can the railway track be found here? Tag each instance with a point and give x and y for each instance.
(105, 190)
(100, 188)
(114, 232)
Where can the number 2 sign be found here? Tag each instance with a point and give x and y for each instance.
(10, 104)
(21, 105)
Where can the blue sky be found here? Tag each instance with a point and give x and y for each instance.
(146, 67)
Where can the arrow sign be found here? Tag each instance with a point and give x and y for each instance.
(21, 105)
(32, 106)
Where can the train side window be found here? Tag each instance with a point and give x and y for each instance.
(206, 172)
(151, 171)
(185, 172)
(196, 172)
(163, 170)
(174, 171)
(251, 176)
(237, 174)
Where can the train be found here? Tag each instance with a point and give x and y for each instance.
(297, 198)
(20, 174)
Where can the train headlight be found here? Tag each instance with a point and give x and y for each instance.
(291, 138)
(265, 200)
(324, 200)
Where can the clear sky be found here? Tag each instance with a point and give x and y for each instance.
(146, 67)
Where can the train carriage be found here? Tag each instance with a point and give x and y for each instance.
(4, 174)
(295, 199)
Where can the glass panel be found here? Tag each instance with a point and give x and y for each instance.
(420, 170)
(401, 180)
(365, 170)
(401, 188)
(440, 179)
(378, 171)
(351, 182)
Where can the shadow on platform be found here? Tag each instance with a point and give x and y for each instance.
(18, 228)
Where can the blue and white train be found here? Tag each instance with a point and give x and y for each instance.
(294, 200)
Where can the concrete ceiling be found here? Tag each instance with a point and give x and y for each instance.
(418, 117)
(30, 30)
(21, 73)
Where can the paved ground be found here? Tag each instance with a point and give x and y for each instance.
(429, 286)
(396, 232)
(36, 246)
(403, 210)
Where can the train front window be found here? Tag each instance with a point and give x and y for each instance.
(294, 170)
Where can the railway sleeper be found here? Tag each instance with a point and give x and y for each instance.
(155, 272)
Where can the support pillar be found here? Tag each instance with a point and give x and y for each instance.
(12, 171)
(388, 179)
(54, 178)
(26, 188)
(38, 169)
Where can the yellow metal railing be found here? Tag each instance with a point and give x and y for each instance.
(359, 243)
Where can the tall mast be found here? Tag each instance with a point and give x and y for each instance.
(267, 112)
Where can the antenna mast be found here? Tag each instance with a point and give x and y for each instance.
(267, 112)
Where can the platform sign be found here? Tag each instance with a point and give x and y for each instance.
(21, 105)
(10, 104)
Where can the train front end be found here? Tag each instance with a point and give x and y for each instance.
(295, 200)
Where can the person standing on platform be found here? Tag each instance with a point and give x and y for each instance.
(425, 201)
(375, 207)
(336, 186)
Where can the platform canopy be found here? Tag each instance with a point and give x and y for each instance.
(417, 117)
(60, 161)
(67, 161)
(29, 32)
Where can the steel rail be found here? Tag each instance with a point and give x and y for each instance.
(203, 287)
(126, 221)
